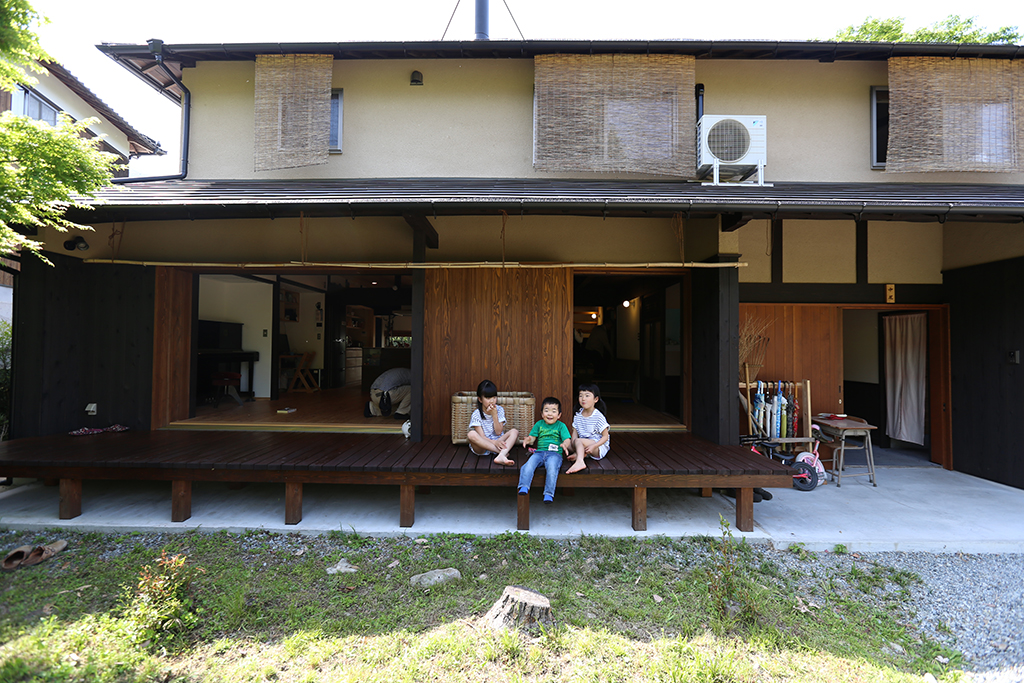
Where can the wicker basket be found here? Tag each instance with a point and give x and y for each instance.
(518, 405)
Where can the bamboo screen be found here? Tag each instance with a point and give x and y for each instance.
(615, 114)
(955, 114)
(293, 110)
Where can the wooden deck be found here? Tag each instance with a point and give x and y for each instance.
(637, 461)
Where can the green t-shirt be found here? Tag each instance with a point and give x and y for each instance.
(549, 434)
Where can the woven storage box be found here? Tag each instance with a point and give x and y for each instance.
(518, 405)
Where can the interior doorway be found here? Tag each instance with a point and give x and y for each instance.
(629, 341)
(299, 350)
(888, 383)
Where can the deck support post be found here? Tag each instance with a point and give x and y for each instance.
(407, 505)
(523, 512)
(640, 508)
(705, 492)
(745, 509)
(181, 500)
(70, 498)
(292, 502)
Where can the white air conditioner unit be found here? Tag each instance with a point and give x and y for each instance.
(732, 147)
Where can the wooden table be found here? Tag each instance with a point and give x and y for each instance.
(841, 428)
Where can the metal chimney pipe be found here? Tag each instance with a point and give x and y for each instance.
(482, 30)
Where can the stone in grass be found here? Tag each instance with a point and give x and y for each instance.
(435, 576)
(343, 567)
(519, 608)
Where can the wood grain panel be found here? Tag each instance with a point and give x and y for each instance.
(805, 342)
(512, 326)
(172, 342)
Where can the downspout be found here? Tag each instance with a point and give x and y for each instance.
(157, 48)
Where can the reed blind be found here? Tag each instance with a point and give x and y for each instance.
(955, 115)
(615, 114)
(293, 110)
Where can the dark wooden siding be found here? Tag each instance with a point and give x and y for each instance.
(986, 325)
(714, 307)
(512, 326)
(83, 333)
(172, 359)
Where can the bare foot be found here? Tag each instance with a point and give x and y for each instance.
(502, 459)
(579, 465)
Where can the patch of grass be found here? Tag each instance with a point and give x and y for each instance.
(708, 609)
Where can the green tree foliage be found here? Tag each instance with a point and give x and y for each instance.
(952, 29)
(19, 47)
(43, 169)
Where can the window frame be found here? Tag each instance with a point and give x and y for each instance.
(877, 164)
(31, 97)
(337, 118)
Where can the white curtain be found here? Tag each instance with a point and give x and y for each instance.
(906, 367)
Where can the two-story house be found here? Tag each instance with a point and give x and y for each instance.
(483, 202)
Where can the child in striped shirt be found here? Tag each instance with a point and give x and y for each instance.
(589, 429)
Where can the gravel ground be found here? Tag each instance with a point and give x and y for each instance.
(973, 603)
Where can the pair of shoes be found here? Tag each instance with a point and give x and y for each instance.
(116, 428)
(765, 495)
(400, 416)
(27, 556)
(548, 500)
(524, 491)
(85, 431)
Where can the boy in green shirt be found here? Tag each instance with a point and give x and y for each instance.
(551, 437)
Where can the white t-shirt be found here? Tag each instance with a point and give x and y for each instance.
(590, 427)
(487, 423)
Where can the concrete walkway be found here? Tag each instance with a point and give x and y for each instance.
(925, 508)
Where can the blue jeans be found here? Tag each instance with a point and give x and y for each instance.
(552, 461)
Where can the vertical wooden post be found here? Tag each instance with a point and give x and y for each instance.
(640, 508)
(745, 509)
(407, 505)
(705, 492)
(181, 500)
(523, 510)
(292, 502)
(70, 498)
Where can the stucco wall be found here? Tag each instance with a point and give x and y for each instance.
(903, 253)
(969, 244)
(755, 250)
(474, 118)
(72, 104)
(462, 238)
(819, 251)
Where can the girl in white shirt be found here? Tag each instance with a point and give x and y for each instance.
(589, 429)
(487, 434)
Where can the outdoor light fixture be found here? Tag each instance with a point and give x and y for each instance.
(416, 78)
(78, 243)
(625, 304)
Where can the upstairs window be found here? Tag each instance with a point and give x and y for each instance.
(337, 100)
(955, 115)
(615, 113)
(879, 125)
(40, 110)
(293, 104)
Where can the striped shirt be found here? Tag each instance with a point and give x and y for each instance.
(487, 422)
(590, 427)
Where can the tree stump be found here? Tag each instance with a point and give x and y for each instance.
(519, 608)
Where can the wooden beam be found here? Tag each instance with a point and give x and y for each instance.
(745, 509)
(292, 502)
(407, 505)
(70, 498)
(640, 508)
(523, 512)
(181, 500)
(420, 224)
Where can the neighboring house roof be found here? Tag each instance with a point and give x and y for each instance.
(140, 60)
(197, 199)
(138, 143)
